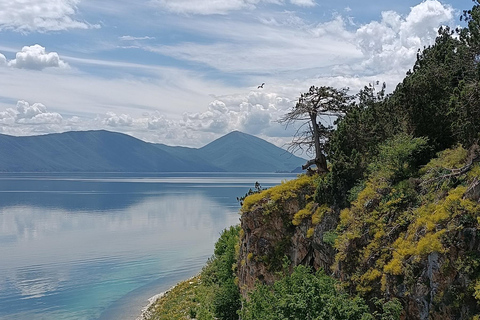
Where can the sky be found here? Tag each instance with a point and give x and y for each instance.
(185, 72)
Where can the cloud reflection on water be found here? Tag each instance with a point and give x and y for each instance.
(71, 255)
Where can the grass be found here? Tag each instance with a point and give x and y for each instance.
(184, 301)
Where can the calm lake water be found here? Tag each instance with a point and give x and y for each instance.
(98, 246)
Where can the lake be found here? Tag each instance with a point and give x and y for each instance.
(97, 246)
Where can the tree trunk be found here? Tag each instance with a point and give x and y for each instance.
(320, 160)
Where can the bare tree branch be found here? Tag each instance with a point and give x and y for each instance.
(318, 101)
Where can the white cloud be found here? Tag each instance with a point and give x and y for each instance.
(27, 111)
(36, 58)
(254, 113)
(35, 114)
(3, 60)
(114, 120)
(24, 113)
(44, 118)
(282, 49)
(159, 122)
(392, 43)
(336, 27)
(288, 46)
(206, 6)
(303, 3)
(266, 51)
(8, 116)
(42, 16)
(131, 38)
(166, 90)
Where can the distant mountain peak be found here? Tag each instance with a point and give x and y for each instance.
(237, 133)
(107, 151)
(238, 151)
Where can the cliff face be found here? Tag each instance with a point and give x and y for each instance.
(414, 240)
(441, 285)
(269, 235)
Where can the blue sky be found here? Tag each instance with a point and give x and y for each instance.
(184, 72)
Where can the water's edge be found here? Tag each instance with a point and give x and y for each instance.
(152, 300)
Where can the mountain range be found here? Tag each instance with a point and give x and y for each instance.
(105, 151)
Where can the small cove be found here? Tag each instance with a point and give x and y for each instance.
(97, 246)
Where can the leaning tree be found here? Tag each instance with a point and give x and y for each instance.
(312, 135)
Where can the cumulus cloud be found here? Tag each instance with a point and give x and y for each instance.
(35, 114)
(114, 120)
(158, 122)
(254, 113)
(36, 58)
(336, 26)
(3, 60)
(42, 16)
(392, 43)
(8, 116)
(216, 119)
(24, 113)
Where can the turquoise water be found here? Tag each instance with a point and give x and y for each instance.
(98, 246)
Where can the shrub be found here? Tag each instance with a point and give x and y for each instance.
(304, 295)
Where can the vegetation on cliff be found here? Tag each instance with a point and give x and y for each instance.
(396, 215)
(308, 296)
(390, 227)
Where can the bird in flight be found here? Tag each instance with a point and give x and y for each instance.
(261, 86)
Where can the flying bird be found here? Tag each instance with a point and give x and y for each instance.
(261, 86)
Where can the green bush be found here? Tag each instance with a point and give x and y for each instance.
(400, 157)
(226, 301)
(305, 295)
(219, 275)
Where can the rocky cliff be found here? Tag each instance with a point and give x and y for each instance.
(416, 238)
(276, 233)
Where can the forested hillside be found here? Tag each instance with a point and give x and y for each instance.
(390, 229)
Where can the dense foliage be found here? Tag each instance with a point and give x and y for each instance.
(439, 100)
(308, 296)
(219, 275)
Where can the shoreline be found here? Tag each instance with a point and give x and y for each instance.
(153, 299)
(144, 312)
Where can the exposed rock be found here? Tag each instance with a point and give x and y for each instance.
(269, 236)
(441, 287)
(437, 285)
(264, 236)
